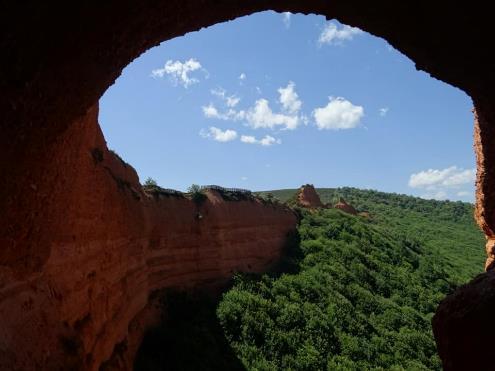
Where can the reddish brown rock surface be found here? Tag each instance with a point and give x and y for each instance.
(106, 245)
(308, 197)
(345, 207)
(463, 326)
(78, 252)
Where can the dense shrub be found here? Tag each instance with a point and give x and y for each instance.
(150, 182)
(197, 194)
(362, 299)
(358, 293)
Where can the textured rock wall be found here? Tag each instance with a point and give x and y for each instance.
(307, 197)
(484, 145)
(463, 326)
(60, 212)
(56, 65)
(103, 246)
(345, 207)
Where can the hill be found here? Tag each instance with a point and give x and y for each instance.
(357, 292)
(365, 288)
(445, 227)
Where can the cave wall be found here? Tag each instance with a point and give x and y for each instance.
(62, 213)
(102, 246)
(58, 59)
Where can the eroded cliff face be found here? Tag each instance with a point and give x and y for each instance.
(59, 211)
(102, 245)
(345, 207)
(463, 326)
(307, 197)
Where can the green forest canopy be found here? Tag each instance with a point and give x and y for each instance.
(365, 288)
(358, 293)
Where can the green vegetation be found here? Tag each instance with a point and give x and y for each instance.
(356, 293)
(269, 199)
(152, 188)
(230, 195)
(197, 194)
(365, 290)
(189, 338)
(445, 228)
(150, 182)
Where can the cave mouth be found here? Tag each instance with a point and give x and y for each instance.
(427, 115)
(177, 110)
(43, 123)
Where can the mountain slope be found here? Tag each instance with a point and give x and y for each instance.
(443, 226)
(363, 291)
(358, 293)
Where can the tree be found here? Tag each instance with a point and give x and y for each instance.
(197, 193)
(150, 182)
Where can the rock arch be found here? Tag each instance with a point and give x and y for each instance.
(58, 58)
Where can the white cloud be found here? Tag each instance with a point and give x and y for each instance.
(304, 119)
(262, 116)
(289, 98)
(219, 92)
(242, 76)
(179, 72)
(451, 177)
(286, 19)
(442, 183)
(210, 111)
(383, 111)
(460, 177)
(266, 141)
(333, 34)
(230, 100)
(338, 114)
(244, 178)
(248, 139)
(219, 135)
(236, 115)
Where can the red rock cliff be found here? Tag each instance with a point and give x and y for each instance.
(93, 272)
(55, 201)
(345, 207)
(307, 197)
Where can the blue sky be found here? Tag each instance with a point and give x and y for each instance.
(274, 101)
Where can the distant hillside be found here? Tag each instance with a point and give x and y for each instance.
(443, 226)
(356, 292)
(362, 290)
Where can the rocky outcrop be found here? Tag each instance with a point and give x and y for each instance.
(484, 142)
(464, 328)
(307, 197)
(342, 205)
(102, 245)
(60, 212)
